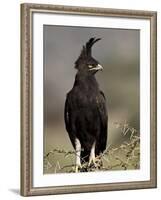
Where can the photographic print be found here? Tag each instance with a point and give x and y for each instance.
(91, 99)
(88, 99)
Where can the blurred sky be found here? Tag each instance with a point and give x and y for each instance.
(118, 53)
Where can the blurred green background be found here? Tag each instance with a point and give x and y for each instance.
(118, 53)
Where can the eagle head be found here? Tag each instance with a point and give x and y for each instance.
(86, 62)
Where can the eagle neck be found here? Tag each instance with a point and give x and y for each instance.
(86, 81)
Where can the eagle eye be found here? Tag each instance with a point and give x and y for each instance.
(90, 66)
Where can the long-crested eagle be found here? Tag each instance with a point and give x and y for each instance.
(85, 110)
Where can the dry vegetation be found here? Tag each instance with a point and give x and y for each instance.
(116, 157)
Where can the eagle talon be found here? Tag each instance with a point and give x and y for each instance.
(95, 161)
(92, 161)
(77, 168)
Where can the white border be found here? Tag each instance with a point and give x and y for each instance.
(40, 180)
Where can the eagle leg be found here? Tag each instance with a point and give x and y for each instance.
(92, 157)
(78, 153)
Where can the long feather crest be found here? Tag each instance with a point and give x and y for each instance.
(87, 50)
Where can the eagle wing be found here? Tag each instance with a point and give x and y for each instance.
(66, 114)
(101, 105)
(68, 122)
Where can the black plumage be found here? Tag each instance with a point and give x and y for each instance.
(85, 108)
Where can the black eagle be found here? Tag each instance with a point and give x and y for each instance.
(85, 109)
